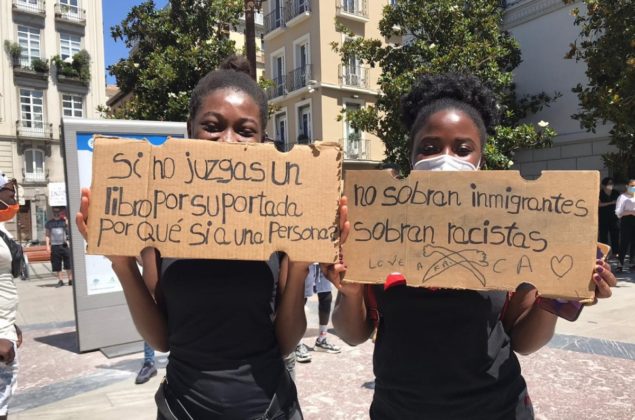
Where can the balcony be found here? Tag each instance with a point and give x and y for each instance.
(297, 11)
(356, 148)
(274, 20)
(31, 7)
(354, 76)
(70, 14)
(299, 78)
(353, 9)
(34, 130)
(35, 177)
(32, 68)
(279, 87)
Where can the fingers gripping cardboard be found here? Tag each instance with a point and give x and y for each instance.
(205, 199)
(475, 230)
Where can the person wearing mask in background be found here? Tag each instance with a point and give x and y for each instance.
(625, 210)
(607, 220)
(10, 334)
(449, 354)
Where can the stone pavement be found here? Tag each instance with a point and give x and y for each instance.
(586, 372)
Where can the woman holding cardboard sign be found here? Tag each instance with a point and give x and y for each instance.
(226, 323)
(443, 354)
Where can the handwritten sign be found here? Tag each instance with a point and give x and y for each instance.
(205, 199)
(475, 230)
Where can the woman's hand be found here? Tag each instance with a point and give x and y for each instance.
(81, 219)
(604, 280)
(336, 272)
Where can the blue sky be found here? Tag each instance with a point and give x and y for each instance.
(114, 13)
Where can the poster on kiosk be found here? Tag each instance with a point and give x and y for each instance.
(102, 317)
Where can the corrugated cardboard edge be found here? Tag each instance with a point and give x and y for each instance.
(319, 147)
(586, 300)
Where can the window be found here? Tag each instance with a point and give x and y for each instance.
(277, 73)
(70, 7)
(353, 143)
(304, 124)
(302, 71)
(32, 111)
(29, 40)
(69, 45)
(73, 106)
(281, 128)
(34, 165)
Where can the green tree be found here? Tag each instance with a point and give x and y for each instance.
(607, 44)
(170, 50)
(440, 36)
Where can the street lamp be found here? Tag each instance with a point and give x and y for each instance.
(250, 32)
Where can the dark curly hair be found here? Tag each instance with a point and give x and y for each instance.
(233, 73)
(434, 93)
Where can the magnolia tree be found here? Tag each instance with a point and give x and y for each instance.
(170, 50)
(607, 45)
(430, 37)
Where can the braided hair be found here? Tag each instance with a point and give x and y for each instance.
(233, 73)
(463, 92)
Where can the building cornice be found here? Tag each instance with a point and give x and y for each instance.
(528, 10)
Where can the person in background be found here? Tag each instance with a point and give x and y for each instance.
(10, 334)
(149, 369)
(57, 246)
(607, 220)
(317, 282)
(625, 211)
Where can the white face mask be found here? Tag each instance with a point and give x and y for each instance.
(444, 163)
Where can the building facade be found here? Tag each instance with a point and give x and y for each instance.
(52, 68)
(544, 29)
(311, 84)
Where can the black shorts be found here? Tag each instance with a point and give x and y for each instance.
(60, 254)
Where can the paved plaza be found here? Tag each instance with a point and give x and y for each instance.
(586, 372)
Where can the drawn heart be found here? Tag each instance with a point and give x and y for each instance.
(561, 265)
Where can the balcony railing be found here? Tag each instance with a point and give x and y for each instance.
(297, 7)
(34, 129)
(275, 20)
(34, 176)
(299, 78)
(356, 148)
(354, 76)
(353, 7)
(279, 87)
(70, 13)
(35, 7)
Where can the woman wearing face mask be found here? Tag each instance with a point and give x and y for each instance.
(625, 210)
(10, 334)
(449, 354)
(607, 220)
(226, 323)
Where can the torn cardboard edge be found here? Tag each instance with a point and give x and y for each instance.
(435, 229)
(239, 200)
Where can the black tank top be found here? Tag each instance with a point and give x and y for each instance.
(444, 354)
(224, 358)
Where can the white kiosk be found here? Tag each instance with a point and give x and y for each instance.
(102, 317)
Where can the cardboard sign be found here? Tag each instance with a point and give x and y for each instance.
(475, 230)
(205, 199)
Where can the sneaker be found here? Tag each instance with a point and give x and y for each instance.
(302, 354)
(60, 283)
(147, 371)
(325, 346)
